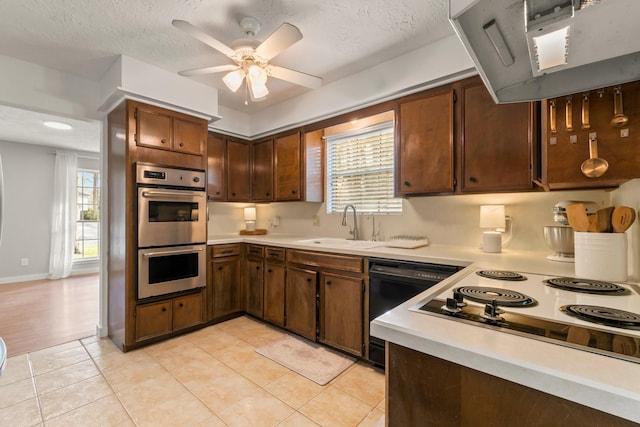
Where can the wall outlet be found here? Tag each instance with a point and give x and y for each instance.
(276, 221)
(24, 262)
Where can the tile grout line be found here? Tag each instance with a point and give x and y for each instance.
(35, 388)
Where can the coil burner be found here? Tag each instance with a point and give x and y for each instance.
(503, 297)
(604, 316)
(501, 275)
(587, 286)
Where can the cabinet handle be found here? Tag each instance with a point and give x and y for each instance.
(309, 279)
(293, 191)
(257, 267)
(219, 268)
(473, 179)
(233, 194)
(181, 305)
(407, 184)
(164, 309)
(217, 193)
(164, 141)
(181, 144)
(267, 194)
(269, 270)
(329, 282)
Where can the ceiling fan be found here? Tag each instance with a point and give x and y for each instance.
(252, 58)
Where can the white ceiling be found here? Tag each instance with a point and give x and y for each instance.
(341, 37)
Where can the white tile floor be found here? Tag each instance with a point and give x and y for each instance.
(212, 377)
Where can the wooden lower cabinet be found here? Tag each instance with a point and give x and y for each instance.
(161, 318)
(423, 390)
(224, 276)
(342, 312)
(255, 287)
(274, 293)
(300, 302)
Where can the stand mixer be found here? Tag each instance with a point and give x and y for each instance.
(560, 237)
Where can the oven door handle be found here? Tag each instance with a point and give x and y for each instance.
(162, 253)
(155, 194)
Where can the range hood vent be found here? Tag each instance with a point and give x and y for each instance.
(527, 50)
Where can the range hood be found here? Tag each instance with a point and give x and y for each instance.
(603, 44)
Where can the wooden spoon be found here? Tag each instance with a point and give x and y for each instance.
(622, 218)
(577, 216)
(603, 220)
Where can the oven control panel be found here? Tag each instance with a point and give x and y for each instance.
(149, 174)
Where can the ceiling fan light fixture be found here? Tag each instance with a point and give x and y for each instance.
(257, 74)
(258, 90)
(234, 79)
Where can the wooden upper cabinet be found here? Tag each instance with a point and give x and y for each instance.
(215, 167)
(288, 167)
(564, 150)
(168, 130)
(237, 171)
(153, 129)
(187, 136)
(496, 142)
(424, 151)
(262, 171)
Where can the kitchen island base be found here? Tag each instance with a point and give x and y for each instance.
(427, 391)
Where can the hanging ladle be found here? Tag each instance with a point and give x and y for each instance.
(585, 112)
(619, 119)
(594, 166)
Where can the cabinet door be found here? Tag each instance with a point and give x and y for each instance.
(564, 151)
(425, 150)
(341, 312)
(187, 311)
(153, 129)
(188, 136)
(255, 287)
(237, 171)
(153, 320)
(262, 171)
(227, 289)
(300, 306)
(274, 286)
(496, 143)
(215, 168)
(287, 161)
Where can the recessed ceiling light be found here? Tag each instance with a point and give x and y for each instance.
(58, 125)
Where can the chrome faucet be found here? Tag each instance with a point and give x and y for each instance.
(355, 233)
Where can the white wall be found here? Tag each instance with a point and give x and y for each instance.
(28, 197)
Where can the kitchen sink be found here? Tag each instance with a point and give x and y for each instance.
(341, 243)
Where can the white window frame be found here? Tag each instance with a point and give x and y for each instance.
(97, 174)
(368, 198)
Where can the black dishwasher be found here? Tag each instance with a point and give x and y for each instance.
(393, 282)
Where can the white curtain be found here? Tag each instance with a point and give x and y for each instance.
(63, 223)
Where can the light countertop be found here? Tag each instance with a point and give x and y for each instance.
(604, 383)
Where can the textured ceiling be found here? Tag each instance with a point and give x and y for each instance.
(340, 36)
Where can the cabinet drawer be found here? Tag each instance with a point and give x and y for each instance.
(275, 254)
(255, 251)
(224, 250)
(317, 259)
(153, 320)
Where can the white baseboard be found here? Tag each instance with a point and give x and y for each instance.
(25, 278)
(29, 277)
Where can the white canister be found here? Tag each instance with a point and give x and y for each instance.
(601, 256)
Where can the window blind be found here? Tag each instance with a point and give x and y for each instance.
(360, 170)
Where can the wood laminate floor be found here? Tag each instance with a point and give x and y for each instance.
(43, 313)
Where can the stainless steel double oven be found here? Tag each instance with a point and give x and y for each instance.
(172, 229)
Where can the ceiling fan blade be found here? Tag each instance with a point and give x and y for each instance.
(296, 77)
(286, 35)
(208, 70)
(203, 37)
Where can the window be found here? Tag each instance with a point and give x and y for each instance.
(360, 170)
(87, 215)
